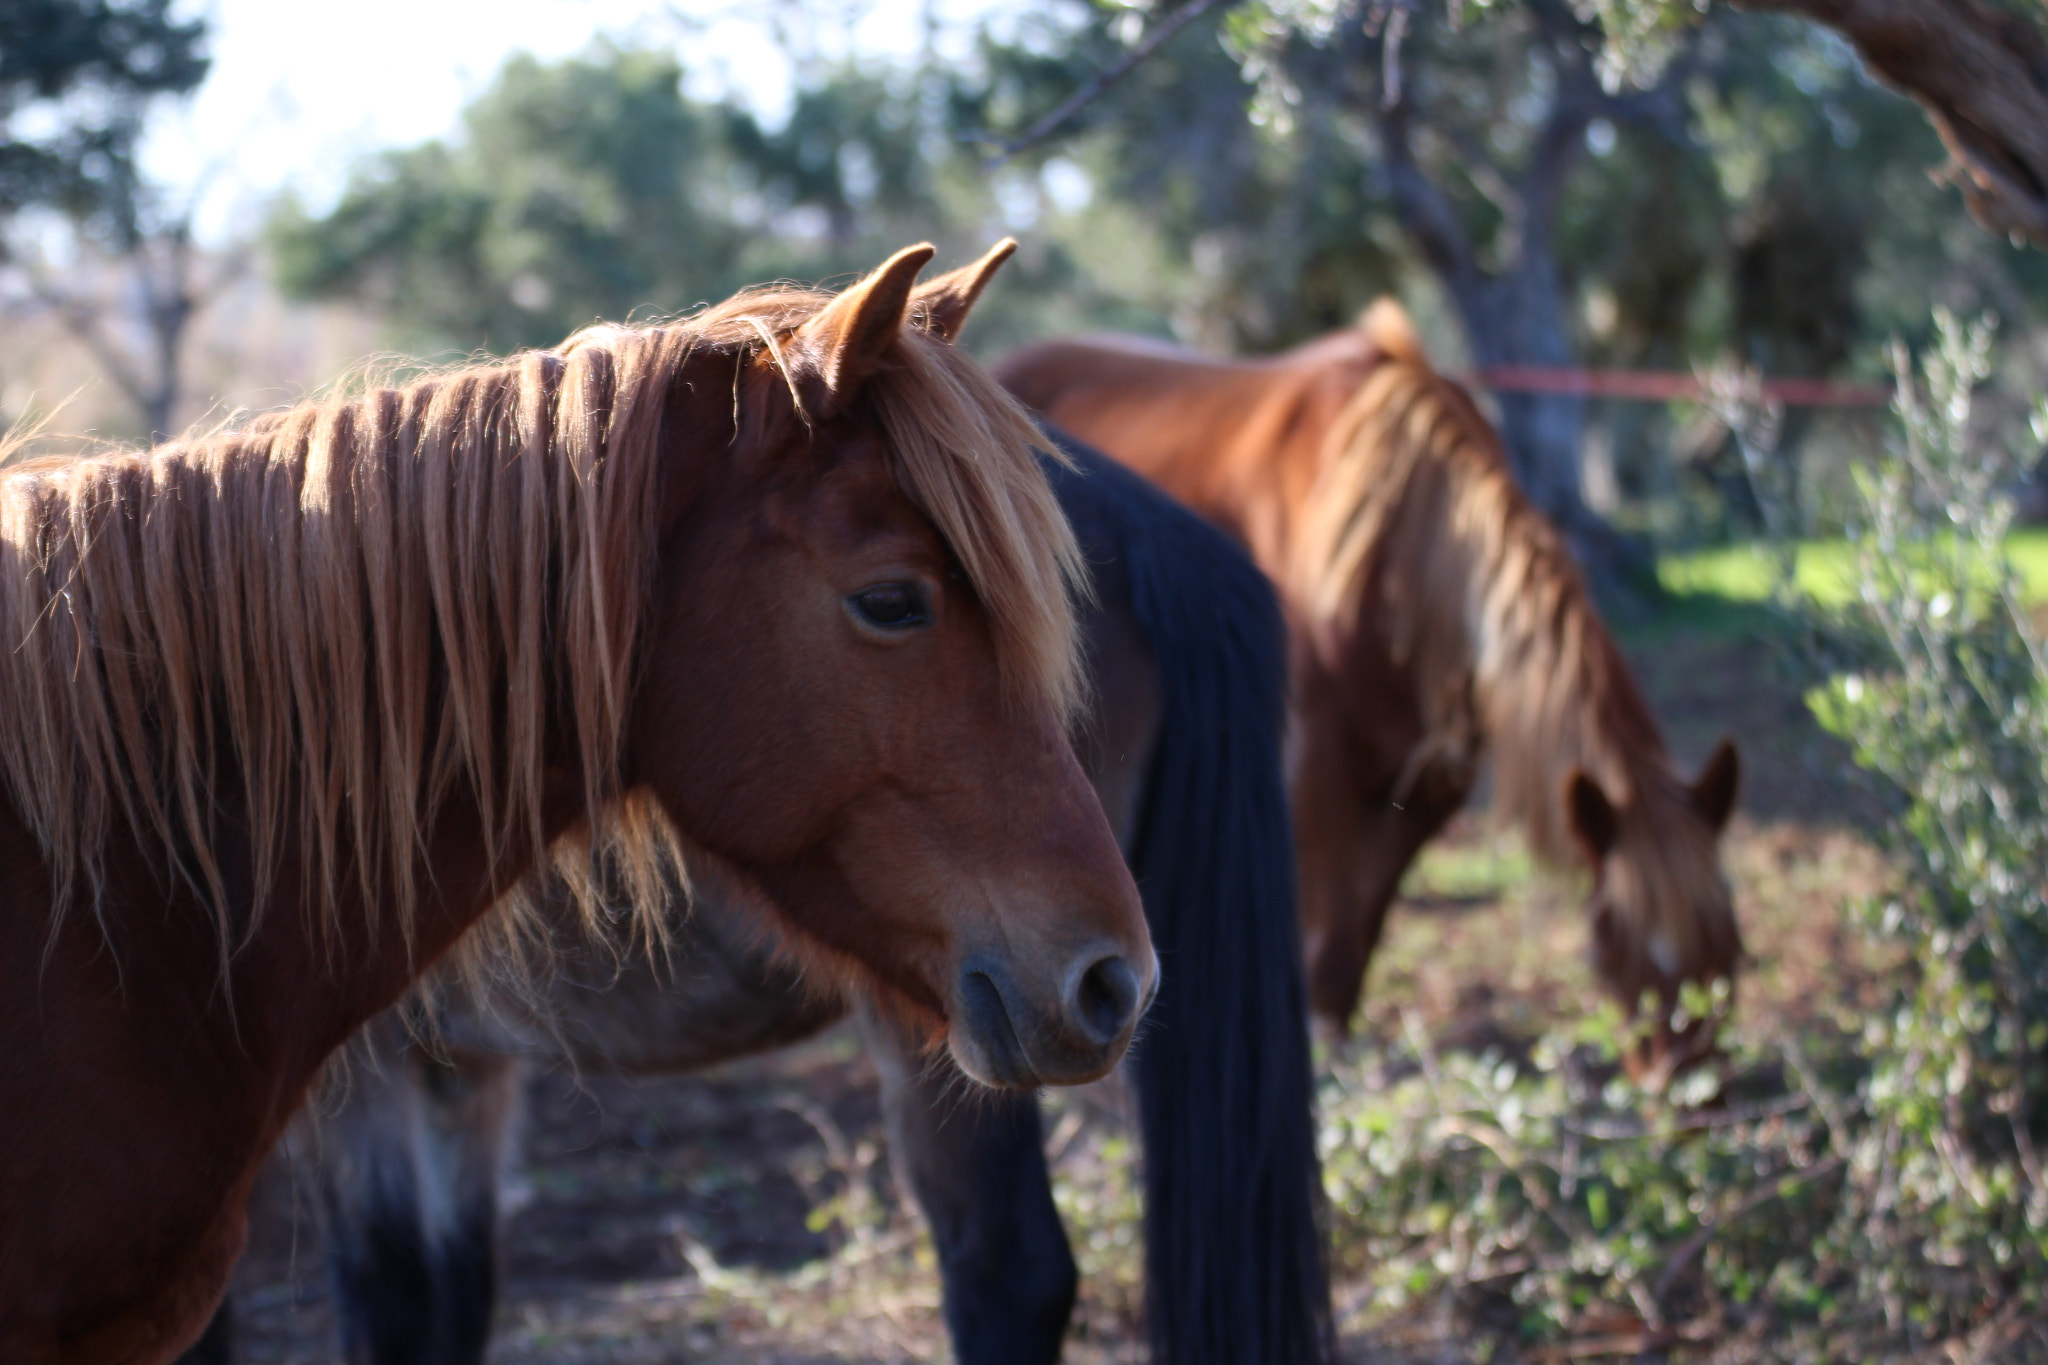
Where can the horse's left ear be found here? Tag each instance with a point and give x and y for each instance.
(942, 305)
(1714, 792)
(849, 339)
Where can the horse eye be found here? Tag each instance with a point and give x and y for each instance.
(891, 606)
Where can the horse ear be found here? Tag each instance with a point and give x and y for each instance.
(942, 305)
(849, 339)
(1593, 817)
(1719, 780)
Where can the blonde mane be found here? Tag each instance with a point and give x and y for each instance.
(1418, 521)
(353, 608)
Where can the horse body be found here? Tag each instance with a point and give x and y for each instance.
(1185, 655)
(1435, 618)
(290, 708)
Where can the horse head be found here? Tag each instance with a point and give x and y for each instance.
(1660, 907)
(879, 738)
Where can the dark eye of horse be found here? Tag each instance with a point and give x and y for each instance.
(891, 606)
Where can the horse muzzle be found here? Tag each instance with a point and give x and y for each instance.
(1003, 1033)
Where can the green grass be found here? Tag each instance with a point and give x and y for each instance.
(1745, 573)
(1487, 867)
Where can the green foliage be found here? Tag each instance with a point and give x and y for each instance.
(1943, 692)
(1641, 36)
(1826, 570)
(595, 188)
(584, 189)
(92, 66)
(1551, 1198)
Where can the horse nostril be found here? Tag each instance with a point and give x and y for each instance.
(1105, 999)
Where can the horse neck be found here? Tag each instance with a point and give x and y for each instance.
(315, 972)
(1557, 695)
(1419, 546)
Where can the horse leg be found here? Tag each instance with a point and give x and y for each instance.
(976, 1164)
(469, 1121)
(1349, 881)
(1331, 826)
(409, 1179)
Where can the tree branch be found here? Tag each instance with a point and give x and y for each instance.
(1582, 98)
(1424, 209)
(83, 321)
(1981, 75)
(1098, 85)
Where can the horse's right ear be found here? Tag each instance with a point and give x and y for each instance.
(851, 336)
(941, 306)
(1593, 817)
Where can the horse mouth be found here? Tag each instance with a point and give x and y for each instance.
(993, 1052)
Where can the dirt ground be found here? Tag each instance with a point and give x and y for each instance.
(746, 1213)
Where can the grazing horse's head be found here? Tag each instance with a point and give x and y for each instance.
(1661, 911)
(858, 666)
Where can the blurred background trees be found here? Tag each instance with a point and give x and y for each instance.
(1550, 183)
(76, 81)
(86, 240)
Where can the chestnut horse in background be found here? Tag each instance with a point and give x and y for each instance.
(288, 708)
(1436, 617)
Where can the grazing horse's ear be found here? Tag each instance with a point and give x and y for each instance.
(1593, 817)
(849, 339)
(1714, 793)
(942, 305)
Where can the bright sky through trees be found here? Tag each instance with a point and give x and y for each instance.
(301, 88)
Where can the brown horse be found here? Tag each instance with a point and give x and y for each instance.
(1436, 616)
(787, 574)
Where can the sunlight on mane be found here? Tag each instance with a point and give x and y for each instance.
(350, 608)
(1479, 596)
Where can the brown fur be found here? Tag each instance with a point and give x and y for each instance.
(389, 651)
(330, 600)
(1438, 619)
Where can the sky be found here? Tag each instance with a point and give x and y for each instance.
(299, 90)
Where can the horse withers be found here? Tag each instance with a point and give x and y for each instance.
(1186, 658)
(1437, 619)
(290, 707)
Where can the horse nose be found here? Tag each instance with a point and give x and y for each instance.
(1103, 999)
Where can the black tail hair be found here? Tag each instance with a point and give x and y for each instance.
(1234, 1233)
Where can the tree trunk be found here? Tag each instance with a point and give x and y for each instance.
(1518, 316)
(1516, 319)
(1980, 72)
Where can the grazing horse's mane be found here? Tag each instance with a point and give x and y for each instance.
(1477, 592)
(353, 607)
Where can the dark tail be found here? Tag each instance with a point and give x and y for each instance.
(1234, 1237)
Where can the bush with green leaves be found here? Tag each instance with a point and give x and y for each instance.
(1942, 689)
(1865, 1189)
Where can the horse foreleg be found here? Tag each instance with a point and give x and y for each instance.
(410, 1173)
(1349, 884)
(975, 1161)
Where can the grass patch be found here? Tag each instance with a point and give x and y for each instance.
(1825, 569)
(1484, 869)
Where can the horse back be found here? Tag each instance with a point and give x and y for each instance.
(1239, 442)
